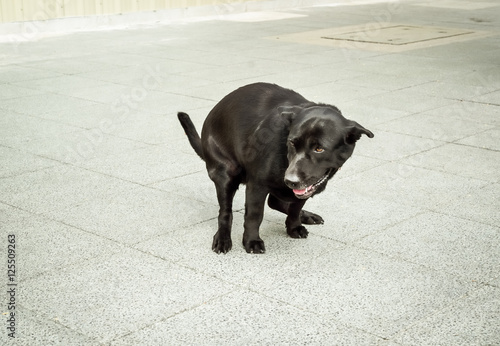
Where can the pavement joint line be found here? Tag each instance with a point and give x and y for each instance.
(465, 218)
(475, 146)
(177, 177)
(482, 103)
(442, 170)
(58, 322)
(166, 318)
(390, 225)
(440, 310)
(426, 267)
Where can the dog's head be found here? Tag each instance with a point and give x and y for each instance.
(319, 142)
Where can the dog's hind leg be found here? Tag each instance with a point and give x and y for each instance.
(306, 217)
(226, 186)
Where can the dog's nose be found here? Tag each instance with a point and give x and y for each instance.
(292, 181)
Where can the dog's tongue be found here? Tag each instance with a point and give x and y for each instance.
(301, 192)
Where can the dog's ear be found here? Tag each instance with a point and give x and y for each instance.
(354, 132)
(289, 112)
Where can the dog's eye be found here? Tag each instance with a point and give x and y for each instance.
(319, 149)
(292, 143)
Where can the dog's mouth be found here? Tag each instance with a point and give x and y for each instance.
(311, 189)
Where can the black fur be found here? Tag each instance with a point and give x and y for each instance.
(277, 143)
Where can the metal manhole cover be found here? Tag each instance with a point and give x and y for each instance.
(385, 37)
(458, 4)
(398, 35)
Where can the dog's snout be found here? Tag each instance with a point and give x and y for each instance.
(292, 180)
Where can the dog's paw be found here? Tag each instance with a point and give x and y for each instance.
(221, 245)
(254, 246)
(298, 232)
(308, 218)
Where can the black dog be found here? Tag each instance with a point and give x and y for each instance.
(277, 143)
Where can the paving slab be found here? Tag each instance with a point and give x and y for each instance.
(96, 115)
(392, 146)
(334, 267)
(407, 100)
(193, 245)
(345, 276)
(350, 216)
(59, 84)
(367, 115)
(42, 102)
(144, 127)
(70, 66)
(489, 98)
(134, 214)
(198, 186)
(445, 243)
(472, 320)
(57, 187)
(479, 205)
(12, 74)
(161, 103)
(438, 125)
(412, 185)
(489, 139)
(112, 291)
(108, 93)
(18, 128)
(152, 164)
(466, 111)
(14, 162)
(243, 317)
(338, 92)
(81, 146)
(47, 245)
(35, 330)
(451, 158)
(453, 90)
(12, 91)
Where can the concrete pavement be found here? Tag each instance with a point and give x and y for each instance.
(112, 213)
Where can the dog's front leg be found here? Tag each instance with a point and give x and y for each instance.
(293, 222)
(254, 211)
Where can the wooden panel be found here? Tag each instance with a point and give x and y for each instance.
(177, 3)
(12, 11)
(161, 4)
(54, 8)
(98, 8)
(33, 11)
(115, 6)
(146, 5)
(90, 7)
(74, 8)
(39, 10)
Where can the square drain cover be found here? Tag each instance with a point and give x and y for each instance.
(397, 35)
(458, 5)
(383, 37)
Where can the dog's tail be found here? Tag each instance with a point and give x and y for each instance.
(192, 134)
